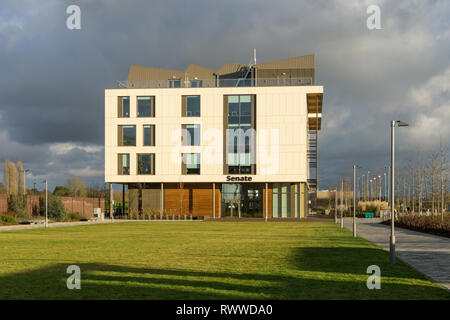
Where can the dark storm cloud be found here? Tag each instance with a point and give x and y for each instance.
(52, 79)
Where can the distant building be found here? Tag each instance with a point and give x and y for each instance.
(240, 141)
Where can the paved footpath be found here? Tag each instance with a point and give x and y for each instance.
(427, 253)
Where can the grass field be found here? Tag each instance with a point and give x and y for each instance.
(202, 260)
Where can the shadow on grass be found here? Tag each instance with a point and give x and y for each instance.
(312, 273)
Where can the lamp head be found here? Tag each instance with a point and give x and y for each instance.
(401, 123)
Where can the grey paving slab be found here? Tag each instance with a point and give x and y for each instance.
(429, 254)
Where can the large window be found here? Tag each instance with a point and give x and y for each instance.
(149, 135)
(191, 134)
(123, 164)
(196, 83)
(145, 106)
(126, 135)
(145, 163)
(191, 163)
(174, 83)
(286, 200)
(123, 107)
(240, 136)
(190, 106)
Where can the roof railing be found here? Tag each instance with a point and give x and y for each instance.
(212, 83)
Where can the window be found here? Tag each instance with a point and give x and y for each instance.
(145, 106)
(123, 107)
(240, 137)
(285, 200)
(149, 135)
(123, 164)
(126, 136)
(191, 163)
(191, 134)
(196, 83)
(190, 106)
(174, 83)
(145, 163)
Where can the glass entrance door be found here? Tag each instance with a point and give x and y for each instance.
(232, 208)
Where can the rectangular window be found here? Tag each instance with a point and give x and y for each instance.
(123, 107)
(285, 200)
(123, 164)
(191, 134)
(240, 116)
(145, 163)
(145, 106)
(191, 163)
(196, 83)
(149, 135)
(126, 135)
(174, 83)
(190, 106)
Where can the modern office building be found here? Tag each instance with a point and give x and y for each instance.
(240, 141)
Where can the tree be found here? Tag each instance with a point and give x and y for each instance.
(12, 173)
(56, 210)
(6, 177)
(77, 186)
(62, 191)
(21, 179)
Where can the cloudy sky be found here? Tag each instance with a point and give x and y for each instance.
(52, 79)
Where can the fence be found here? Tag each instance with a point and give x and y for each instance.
(82, 206)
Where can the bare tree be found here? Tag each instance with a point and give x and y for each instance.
(21, 177)
(6, 177)
(12, 171)
(77, 186)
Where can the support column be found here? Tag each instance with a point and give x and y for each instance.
(162, 200)
(267, 200)
(111, 196)
(214, 201)
(123, 198)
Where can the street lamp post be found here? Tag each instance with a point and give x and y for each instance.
(335, 204)
(392, 238)
(342, 202)
(46, 202)
(380, 184)
(362, 187)
(368, 189)
(354, 199)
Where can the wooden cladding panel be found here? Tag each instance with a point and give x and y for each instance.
(192, 199)
(269, 201)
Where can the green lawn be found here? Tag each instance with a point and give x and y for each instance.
(202, 260)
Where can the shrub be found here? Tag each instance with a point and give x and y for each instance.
(17, 204)
(74, 216)
(56, 209)
(6, 219)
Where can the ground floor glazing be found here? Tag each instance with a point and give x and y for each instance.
(221, 200)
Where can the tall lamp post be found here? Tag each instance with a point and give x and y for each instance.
(362, 187)
(46, 202)
(354, 199)
(342, 203)
(392, 238)
(335, 204)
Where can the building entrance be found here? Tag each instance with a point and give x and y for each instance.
(242, 200)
